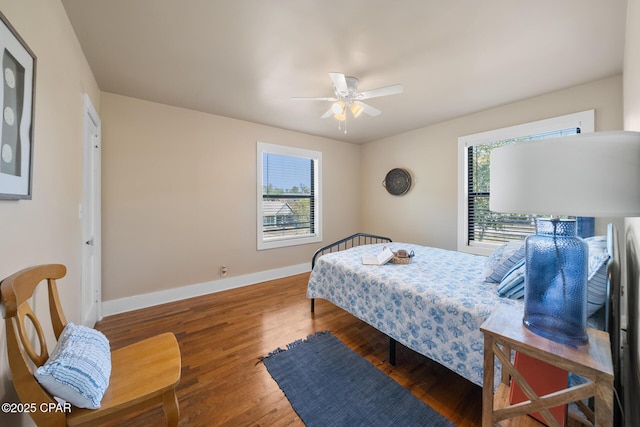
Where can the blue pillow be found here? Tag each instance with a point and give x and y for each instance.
(502, 260)
(79, 367)
(512, 284)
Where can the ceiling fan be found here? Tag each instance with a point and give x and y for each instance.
(348, 97)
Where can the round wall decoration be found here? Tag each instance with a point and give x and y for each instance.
(397, 181)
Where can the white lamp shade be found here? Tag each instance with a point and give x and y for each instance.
(592, 174)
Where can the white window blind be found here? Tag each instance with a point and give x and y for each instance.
(288, 196)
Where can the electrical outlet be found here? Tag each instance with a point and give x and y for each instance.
(223, 270)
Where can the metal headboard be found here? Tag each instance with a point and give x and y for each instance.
(357, 239)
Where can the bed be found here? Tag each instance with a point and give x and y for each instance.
(433, 305)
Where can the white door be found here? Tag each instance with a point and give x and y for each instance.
(90, 214)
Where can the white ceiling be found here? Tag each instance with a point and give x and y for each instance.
(245, 59)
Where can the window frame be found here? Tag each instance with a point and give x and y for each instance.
(585, 120)
(285, 241)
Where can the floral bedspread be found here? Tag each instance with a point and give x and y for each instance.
(434, 305)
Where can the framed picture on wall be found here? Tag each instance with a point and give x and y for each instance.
(17, 94)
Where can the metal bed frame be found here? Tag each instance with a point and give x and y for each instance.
(357, 239)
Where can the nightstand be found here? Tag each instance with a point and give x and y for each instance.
(504, 332)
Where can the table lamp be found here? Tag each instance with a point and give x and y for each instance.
(593, 174)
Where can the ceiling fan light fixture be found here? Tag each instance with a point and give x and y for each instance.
(356, 109)
(347, 97)
(338, 108)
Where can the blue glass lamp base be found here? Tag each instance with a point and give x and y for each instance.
(555, 300)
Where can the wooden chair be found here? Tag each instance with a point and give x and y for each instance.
(143, 374)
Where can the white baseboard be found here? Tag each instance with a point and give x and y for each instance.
(176, 294)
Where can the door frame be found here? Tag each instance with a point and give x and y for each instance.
(90, 212)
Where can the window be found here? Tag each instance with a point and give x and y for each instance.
(289, 202)
(480, 231)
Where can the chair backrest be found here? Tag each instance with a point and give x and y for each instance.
(15, 293)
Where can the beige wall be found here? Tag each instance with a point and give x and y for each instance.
(179, 186)
(427, 214)
(632, 68)
(179, 196)
(47, 229)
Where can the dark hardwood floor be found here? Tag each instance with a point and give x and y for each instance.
(223, 335)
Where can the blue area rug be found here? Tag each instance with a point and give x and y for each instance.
(328, 384)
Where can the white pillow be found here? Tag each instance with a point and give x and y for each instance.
(502, 260)
(79, 367)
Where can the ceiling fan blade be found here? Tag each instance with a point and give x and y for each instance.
(329, 113)
(340, 84)
(298, 98)
(382, 91)
(368, 109)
